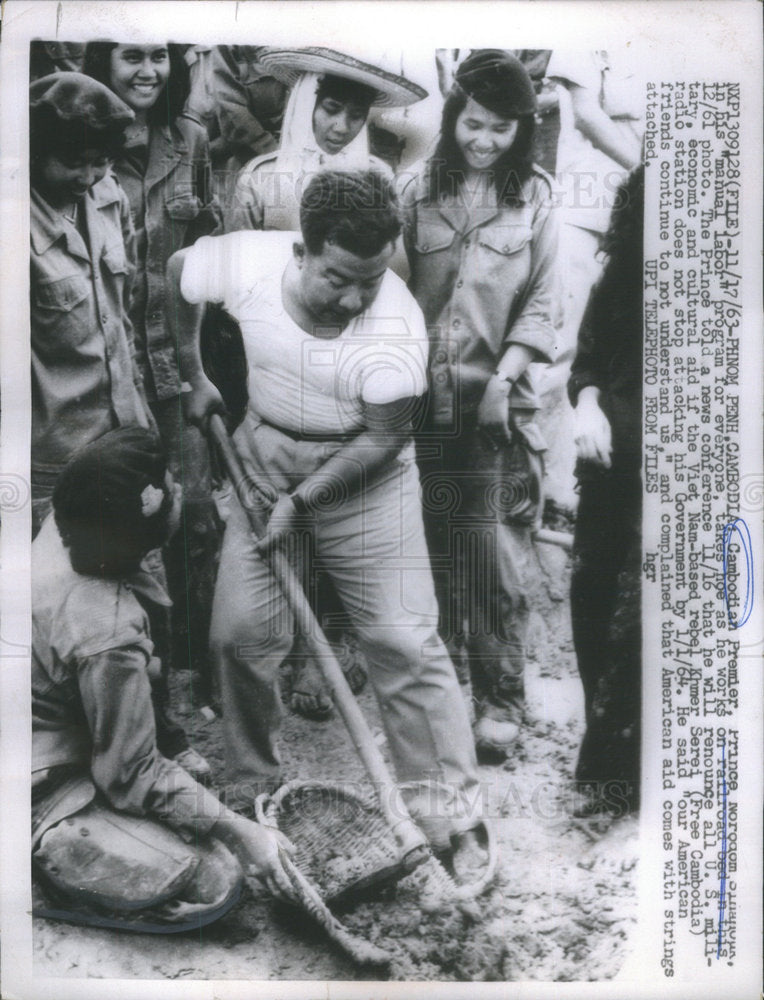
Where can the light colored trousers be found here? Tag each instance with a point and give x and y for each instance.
(372, 545)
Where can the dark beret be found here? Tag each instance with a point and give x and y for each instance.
(498, 82)
(74, 97)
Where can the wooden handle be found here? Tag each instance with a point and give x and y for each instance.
(562, 538)
(393, 808)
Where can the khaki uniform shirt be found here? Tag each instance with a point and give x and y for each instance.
(172, 205)
(84, 378)
(91, 695)
(485, 277)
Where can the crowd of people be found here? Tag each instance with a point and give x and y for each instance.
(231, 230)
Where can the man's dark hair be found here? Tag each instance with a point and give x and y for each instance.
(355, 211)
(111, 504)
(339, 88)
(447, 166)
(169, 104)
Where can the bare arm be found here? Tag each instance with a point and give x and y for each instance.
(349, 471)
(185, 320)
(600, 130)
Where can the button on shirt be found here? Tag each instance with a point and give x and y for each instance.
(485, 277)
(172, 205)
(84, 379)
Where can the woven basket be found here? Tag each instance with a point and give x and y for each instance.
(343, 844)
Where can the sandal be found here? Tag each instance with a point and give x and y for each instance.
(310, 697)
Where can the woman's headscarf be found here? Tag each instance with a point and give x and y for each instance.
(299, 153)
(299, 156)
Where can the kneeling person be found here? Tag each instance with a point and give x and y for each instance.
(153, 857)
(336, 348)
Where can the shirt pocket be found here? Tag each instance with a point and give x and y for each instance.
(502, 266)
(62, 294)
(61, 318)
(505, 240)
(433, 236)
(115, 260)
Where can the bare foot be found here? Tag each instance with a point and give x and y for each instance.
(310, 695)
(470, 857)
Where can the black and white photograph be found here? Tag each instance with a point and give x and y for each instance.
(386, 478)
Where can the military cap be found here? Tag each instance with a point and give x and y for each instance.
(498, 82)
(75, 97)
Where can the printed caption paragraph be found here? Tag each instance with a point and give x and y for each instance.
(697, 549)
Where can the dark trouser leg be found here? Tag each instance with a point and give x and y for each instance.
(606, 613)
(170, 736)
(498, 622)
(479, 566)
(497, 608)
(596, 563)
(191, 554)
(190, 557)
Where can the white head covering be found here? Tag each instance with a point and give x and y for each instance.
(298, 158)
(299, 152)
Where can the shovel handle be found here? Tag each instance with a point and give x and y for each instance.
(561, 538)
(407, 833)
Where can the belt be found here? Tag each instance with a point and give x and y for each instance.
(298, 436)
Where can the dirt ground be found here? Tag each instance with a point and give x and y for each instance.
(563, 906)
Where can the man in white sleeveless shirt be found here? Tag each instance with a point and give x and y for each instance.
(336, 348)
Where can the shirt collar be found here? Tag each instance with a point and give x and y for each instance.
(142, 580)
(49, 225)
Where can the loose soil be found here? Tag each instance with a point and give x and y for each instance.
(563, 906)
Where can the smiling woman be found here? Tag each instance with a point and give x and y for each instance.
(481, 238)
(165, 172)
(482, 136)
(138, 75)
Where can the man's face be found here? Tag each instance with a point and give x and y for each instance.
(336, 285)
(63, 180)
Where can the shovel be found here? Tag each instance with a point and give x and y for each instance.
(412, 845)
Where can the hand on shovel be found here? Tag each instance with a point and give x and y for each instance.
(280, 523)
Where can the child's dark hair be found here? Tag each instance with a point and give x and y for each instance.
(169, 104)
(356, 211)
(446, 167)
(111, 504)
